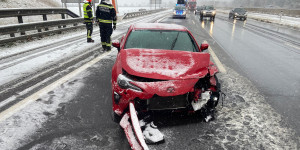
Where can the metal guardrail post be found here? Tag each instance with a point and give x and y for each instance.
(63, 17)
(20, 20)
(45, 19)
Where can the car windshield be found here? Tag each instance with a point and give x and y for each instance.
(199, 8)
(158, 39)
(179, 8)
(192, 3)
(209, 7)
(239, 10)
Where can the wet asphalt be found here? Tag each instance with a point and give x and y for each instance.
(262, 88)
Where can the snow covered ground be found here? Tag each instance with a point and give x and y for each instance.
(284, 20)
(29, 3)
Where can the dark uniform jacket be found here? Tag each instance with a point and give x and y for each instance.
(106, 13)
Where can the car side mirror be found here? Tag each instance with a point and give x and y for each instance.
(116, 43)
(204, 46)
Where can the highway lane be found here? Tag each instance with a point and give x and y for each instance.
(82, 118)
(269, 56)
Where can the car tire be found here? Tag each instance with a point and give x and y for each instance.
(115, 118)
(201, 18)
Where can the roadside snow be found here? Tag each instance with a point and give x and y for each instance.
(16, 130)
(250, 121)
(284, 20)
(29, 3)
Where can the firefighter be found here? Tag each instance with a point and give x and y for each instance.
(106, 16)
(88, 19)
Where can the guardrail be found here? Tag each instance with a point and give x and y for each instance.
(35, 11)
(140, 13)
(39, 26)
(42, 27)
(4, 13)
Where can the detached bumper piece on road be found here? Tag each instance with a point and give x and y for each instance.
(136, 138)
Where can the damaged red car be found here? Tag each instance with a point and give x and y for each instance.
(161, 67)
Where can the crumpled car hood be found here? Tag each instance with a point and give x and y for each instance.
(165, 64)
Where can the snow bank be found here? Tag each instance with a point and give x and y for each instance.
(284, 20)
(17, 130)
(29, 3)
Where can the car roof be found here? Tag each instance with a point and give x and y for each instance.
(158, 26)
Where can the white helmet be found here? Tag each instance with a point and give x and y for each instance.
(106, 1)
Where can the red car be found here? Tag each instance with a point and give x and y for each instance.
(161, 67)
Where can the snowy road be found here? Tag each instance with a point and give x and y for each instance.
(76, 113)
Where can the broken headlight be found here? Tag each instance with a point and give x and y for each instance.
(124, 83)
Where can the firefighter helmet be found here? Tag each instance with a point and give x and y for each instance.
(106, 1)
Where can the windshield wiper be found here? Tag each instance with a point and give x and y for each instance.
(173, 44)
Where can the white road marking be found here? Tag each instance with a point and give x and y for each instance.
(292, 45)
(22, 104)
(216, 60)
(159, 20)
(193, 22)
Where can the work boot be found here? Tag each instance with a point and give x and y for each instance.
(104, 47)
(90, 41)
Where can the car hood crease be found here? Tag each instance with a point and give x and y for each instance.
(165, 64)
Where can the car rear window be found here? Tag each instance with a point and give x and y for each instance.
(157, 39)
(209, 7)
(179, 8)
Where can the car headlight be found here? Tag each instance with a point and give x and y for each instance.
(204, 12)
(174, 12)
(184, 12)
(214, 12)
(124, 83)
(235, 13)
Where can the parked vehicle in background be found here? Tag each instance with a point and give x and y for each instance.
(198, 9)
(208, 11)
(179, 11)
(192, 4)
(238, 13)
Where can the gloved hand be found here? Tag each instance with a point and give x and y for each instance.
(114, 27)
